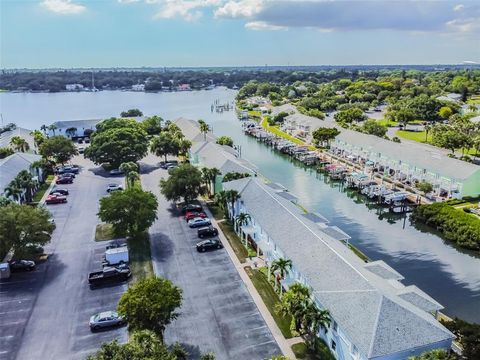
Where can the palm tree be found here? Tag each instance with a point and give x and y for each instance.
(204, 128)
(214, 172)
(283, 267)
(53, 127)
(26, 182)
(294, 302)
(313, 320)
(13, 190)
(232, 197)
(38, 137)
(44, 128)
(131, 172)
(19, 144)
(242, 219)
(184, 146)
(221, 200)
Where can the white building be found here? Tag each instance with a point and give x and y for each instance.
(138, 87)
(373, 315)
(74, 87)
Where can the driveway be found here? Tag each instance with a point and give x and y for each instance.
(47, 311)
(218, 314)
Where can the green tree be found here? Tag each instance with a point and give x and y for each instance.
(130, 170)
(13, 190)
(225, 140)
(204, 128)
(26, 182)
(131, 113)
(230, 176)
(221, 200)
(468, 334)
(282, 266)
(38, 137)
(117, 141)
(153, 125)
(19, 144)
(312, 321)
(208, 177)
(130, 212)
(293, 303)
(232, 196)
(352, 115)
(445, 112)
(425, 187)
(324, 135)
(52, 128)
(437, 354)
(242, 219)
(207, 356)
(184, 182)
(150, 304)
(142, 345)
(58, 149)
(165, 144)
(372, 127)
(21, 225)
(5, 152)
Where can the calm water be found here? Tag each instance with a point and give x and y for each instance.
(450, 276)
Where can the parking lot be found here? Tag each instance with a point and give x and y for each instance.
(218, 314)
(44, 314)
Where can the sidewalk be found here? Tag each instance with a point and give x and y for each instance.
(283, 343)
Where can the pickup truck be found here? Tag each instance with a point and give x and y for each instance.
(108, 275)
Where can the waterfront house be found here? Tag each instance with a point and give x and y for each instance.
(13, 164)
(74, 87)
(191, 130)
(410, 162)
(373, 315)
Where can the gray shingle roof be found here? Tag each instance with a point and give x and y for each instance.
(335, 233)
(191, 130)
(366, 306)
(23, 133)
(416, 154)
(12, 165)
(79, 124)
(382, 269)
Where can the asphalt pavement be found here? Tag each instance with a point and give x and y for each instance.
(218, 314)
(44, 314)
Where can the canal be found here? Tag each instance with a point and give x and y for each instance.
(451, 276)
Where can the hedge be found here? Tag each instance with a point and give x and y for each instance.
(455, 225)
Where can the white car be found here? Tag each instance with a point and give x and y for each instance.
(106, 319)
(114, 187)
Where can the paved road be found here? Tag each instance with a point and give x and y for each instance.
(218, 314)
(47, 311)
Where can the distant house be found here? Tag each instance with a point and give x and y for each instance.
(72, 128)
(138, 87)
(13, 164)
(450, 97)
(74, 87)
(183, 87)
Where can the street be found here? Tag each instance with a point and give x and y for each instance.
(44, 314)
(218, 314)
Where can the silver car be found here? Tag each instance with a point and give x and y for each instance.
(106, 319)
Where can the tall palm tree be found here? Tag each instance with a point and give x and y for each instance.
(13, 190)
(26, 182)
(294, 303)
(38, 137)
(19, 144)
(282, 266)
(242, 219)
(44, 128)
(214, 172)
(221, 200)
(204, 128)
(53, 127)
(232, 197)
(313, 320)
(131, 172)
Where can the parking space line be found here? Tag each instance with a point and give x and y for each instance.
(18, 300)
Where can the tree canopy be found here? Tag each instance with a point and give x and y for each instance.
(324, 135)
(351, 115)
(131, 113)
(130, 212)
(150, 304)
(184, 182)
(21, 225)
(225, 140)
(117, 141)
(58, 148)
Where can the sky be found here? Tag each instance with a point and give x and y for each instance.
(156, 33)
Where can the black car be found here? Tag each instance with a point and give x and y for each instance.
(22, 265)
(68, 174)
(191, 208)
(64, 180)
(207, 231)
(59, 191)
(210, 244)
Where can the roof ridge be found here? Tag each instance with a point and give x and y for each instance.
(375, 326)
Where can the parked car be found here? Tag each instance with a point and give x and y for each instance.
(115, 244)
(106, 319)
(198, 222)
(67, 174)
(193, 214)
(207, 231)
(210, 244)
(55, 199)
(87, 140)
(21, 265)
(59, 191)
(165, 165)
(114, 187)
(191, 207)
(108, 275)
(115, 172)
(64, 180)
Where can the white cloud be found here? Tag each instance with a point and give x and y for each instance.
(64, 7)
(459, 7)
(467, 25)
(189, 10)
(262, 25)
(127, 1)
(242, 8)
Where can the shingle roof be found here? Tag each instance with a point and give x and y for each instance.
(79, 124)
(366, 306)
(382, 269)
(212, 155)
(12, 165)
(191, 130)
(415, 154)
(23, 133)
(288, 108)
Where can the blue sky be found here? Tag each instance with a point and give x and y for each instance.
(134, 33)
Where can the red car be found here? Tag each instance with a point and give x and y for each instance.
(56, 199)
(64, 180)
(193, 214)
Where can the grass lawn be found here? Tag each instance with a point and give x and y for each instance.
(254, 113)
(418, 136)
(276, 131)
(357, 252)
(42, 188)
(234, 241)
(301, 352)
(216, 211)
(386, 122)
(270, 299)
(104, 232)
(140, 256)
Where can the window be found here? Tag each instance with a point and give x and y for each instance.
(355, 354)
(334, 326)
(333, 345)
